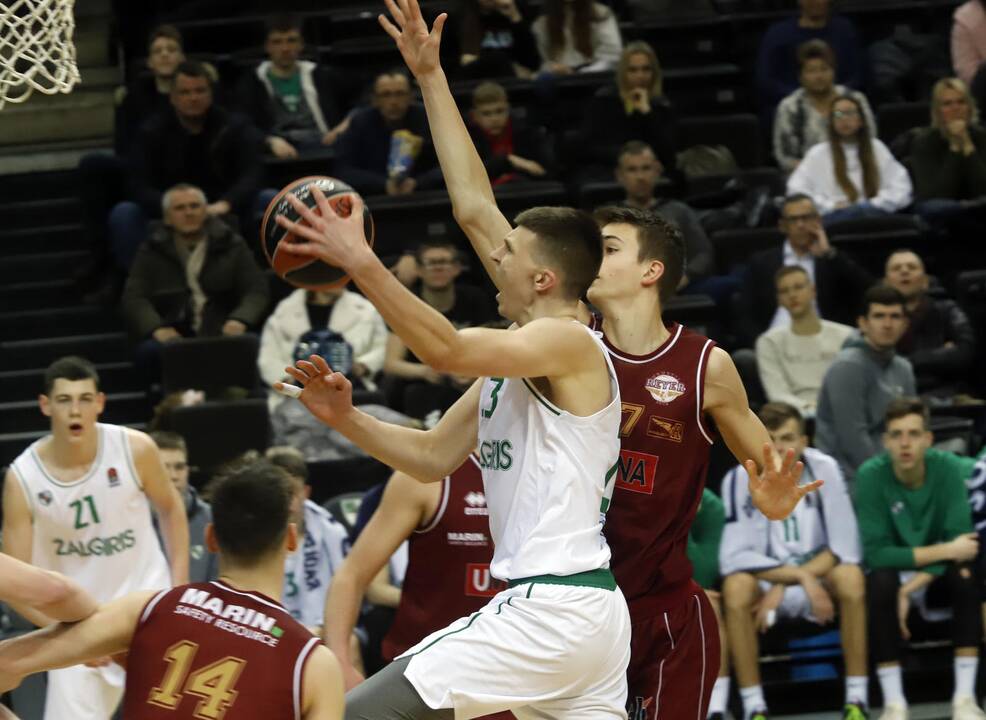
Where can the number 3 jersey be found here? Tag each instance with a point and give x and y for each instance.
(98, 529)
(209, 651)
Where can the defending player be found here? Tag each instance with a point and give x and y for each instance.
(448, 572)
(670, 379)
(224, 649)
(78, 502)
(546, 412)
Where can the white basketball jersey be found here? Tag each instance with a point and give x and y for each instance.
(548, 477)
(800, 536)
(309, 569)
(98, 529)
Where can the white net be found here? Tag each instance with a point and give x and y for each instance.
(36, 48)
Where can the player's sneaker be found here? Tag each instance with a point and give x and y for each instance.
(894, 711)
(966, 708)
(854, 711)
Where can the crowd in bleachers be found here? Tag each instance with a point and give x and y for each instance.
(844, 273)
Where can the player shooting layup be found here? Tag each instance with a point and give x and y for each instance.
(79, 502)
(224, 649)
(546, 411)
(670, 379)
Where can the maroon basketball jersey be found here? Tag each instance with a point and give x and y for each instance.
(448, 569)
(664, 456)
(210, 652)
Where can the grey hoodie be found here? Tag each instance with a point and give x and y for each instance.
(855, 393)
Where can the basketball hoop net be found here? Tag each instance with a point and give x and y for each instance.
(36, 48)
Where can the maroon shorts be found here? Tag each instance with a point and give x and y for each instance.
(674, 659)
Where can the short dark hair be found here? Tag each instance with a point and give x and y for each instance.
(284, 22)
(391, 71)
(570, 241)
(657, 239)
(192, 68)
(793, 198)
(880, 294)
(775, 414)
(166, 440)
(436, 244)
(251, 507)
(634, 147)
(904, 406)
(164, 31)
(786, 270)
(70, 367)
(816, 50)
(288, 459)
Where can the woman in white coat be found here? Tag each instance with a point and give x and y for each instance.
(852, 175)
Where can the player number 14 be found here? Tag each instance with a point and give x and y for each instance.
(214, 683)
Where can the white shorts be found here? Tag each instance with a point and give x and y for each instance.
(84, 693)
(794, 605)
(540, 650)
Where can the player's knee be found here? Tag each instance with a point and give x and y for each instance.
(849, 583)
(739, 592)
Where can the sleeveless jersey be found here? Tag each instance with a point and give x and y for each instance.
(97, 530)
(208, 651)
(548, 478)
(448, 573)
(664, 456)
(309, 569)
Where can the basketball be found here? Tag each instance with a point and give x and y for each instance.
(299, 270)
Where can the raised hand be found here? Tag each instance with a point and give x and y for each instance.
(336, 240)
(418, 46)
(776, 492)
(328, 395)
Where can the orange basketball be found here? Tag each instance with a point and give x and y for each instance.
(300, 270)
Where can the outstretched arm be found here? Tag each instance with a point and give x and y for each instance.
(774, 484)
(57, 596)
(468, 184)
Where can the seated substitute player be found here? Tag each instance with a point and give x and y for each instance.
(224, 649)
(791, 568)
(670, 379)
(546, 411)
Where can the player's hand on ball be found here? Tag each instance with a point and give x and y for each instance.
(333, 239)
(776, 491)
(407, 27)
(328, 395)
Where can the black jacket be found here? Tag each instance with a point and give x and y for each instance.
(530, 143)
(224, 160)
(839, 286)
(141, 102)
(253, 100)
(934, 322)
(157, 294)
(607, 126)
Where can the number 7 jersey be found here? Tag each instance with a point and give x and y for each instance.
(209, 651)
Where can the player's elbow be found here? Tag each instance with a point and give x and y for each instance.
(53, 590)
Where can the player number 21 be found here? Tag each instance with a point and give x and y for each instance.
(214, 683)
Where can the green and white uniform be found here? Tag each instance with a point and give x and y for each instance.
(98, 531)
(556, 643)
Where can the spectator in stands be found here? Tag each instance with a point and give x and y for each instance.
(194, 276)
(777, 64)
(576, 36)
(839, 281)
(511, 151)
(948, 159)
(198, 143)
(802, 118)
(340, 311)
(387, 147)
(792, 359)
(940, 342)
(203, 566)
(793, 568)
(102, 176)
(292, 101)
(495, 40)
(638, 172)
(853, 174)
(969, 39)
(635, 109)
(703, 553)
(419, 389)
(323, 544)
(866, 376)
(916, 528)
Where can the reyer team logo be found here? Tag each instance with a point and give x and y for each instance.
(665, 388)
(476, 504)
